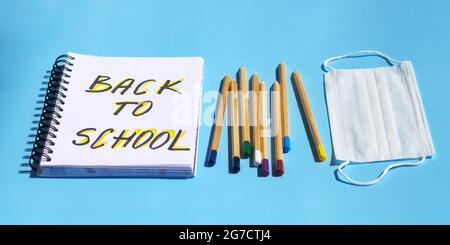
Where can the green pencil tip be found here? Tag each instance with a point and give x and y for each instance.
(248, 151)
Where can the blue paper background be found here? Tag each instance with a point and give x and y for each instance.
(257, 34)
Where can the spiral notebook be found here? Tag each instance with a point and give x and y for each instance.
(119, 116)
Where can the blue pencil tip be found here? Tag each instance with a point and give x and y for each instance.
(286, 144)
(212, 157)
(236, 165)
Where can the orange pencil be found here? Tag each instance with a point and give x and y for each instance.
(218, 119)
(264, 129)
(284, 107)
(243, 109)
(234, 119)
(254, 118)
(276, 127)
(312, 127)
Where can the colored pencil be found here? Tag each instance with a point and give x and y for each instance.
(243, 116)
(320, 150)
(264, 129)
(284, 107)
(254, 112)
(257, 143)
(218, 119)
(276, 127)
(234, 119)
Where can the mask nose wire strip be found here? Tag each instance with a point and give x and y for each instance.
(385, 171)
(356, 54)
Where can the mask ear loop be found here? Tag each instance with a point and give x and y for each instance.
(385, 171)
(357, 54)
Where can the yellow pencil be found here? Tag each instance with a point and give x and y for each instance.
(264, 129)
(218, 119)
(281, 76)
(276, 127)
(234, 119)
(243, 109)
(320, 150)
(254, 115)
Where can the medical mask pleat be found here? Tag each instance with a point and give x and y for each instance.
(380, 141)
(416, 101)
(332, 98)
(367, 139)
(406, 125)
(389, 124)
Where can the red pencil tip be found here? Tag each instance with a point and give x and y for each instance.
(280, 168)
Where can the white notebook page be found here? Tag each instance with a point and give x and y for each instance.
(177, 112)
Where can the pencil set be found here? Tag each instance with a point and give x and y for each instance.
(248, 118)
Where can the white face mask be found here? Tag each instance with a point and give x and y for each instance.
(376, 115)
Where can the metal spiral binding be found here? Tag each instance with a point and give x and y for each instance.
(51, 111)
